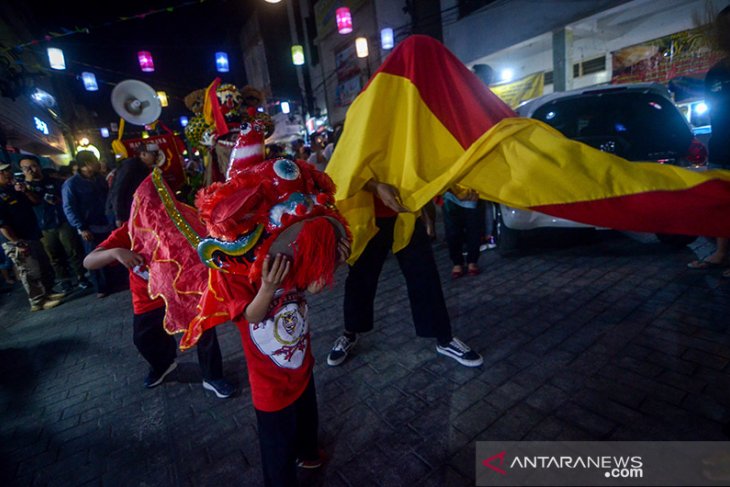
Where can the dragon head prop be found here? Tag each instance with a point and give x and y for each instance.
(270, 206)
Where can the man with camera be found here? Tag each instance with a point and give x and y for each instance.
(59, 238)
(20, 238)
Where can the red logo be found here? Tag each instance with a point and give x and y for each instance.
(498, 456)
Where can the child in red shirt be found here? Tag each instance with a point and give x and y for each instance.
(274, 330)
(149, 335)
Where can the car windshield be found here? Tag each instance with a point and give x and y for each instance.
(634, 125)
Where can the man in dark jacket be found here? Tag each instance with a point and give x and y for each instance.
(128, 177)
(84, 197)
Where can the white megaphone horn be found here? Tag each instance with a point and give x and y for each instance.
(136, 102)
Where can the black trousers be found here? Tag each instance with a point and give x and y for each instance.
(99, 277)
(287, 435)
(159, 348)
(464, 229)
(418, 266)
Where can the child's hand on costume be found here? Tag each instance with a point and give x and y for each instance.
(272, 276)
(128, 258)
(273, 273)
(343, 251)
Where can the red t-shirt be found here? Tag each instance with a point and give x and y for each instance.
(278, 352)
(382, 211)
(141, 301)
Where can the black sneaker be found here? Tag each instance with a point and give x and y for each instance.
(220, 387)
(84, 284)
(460, 351)
(312, 464)
(154, 379)
(342, 347)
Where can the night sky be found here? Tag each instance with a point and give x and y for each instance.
(182, 41)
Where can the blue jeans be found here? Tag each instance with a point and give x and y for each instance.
(464, 227)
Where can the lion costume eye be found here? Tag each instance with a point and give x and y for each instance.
(246, 128)
(286, 169)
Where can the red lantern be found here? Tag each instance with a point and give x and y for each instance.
(344, 20)
(145, 61)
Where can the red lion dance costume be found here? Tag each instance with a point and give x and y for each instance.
(198, 257)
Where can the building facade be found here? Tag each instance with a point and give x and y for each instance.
(557, 45)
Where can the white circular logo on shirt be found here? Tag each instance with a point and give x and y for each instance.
(283, 337)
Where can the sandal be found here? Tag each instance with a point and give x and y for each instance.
(473, 271)
(704, 265)
(457, 272)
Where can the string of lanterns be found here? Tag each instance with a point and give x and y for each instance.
(343, 19)
(57, 61)
(344, 23)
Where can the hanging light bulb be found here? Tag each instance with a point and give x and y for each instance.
(272, 1)
(297, 54)
(386, 38)
(104, 132)
(162, 96)
(55, 58)
(184, 121)
(344, 20)
(221, 62)
(361, 47)
(285, 107)
(145, 61)
(89, 81)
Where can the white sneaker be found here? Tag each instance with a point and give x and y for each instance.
(342, 347)
(460, 351)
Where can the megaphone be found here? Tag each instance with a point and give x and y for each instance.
(136, 102)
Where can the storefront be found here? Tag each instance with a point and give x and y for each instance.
(28, 128)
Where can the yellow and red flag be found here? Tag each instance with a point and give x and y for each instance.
(212, 113)
(424, 123)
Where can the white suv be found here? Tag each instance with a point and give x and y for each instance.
(638, 122)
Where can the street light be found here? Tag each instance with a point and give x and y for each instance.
(361, 47)
(343, 18)
(55, 58)
(297, 54)
(145, 61)
(89, 81)
(162, 96)
(221, 62)
(386, 38)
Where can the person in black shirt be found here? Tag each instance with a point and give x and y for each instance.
(61, 242)
(717, 95)
(128, 177)
(21, 242)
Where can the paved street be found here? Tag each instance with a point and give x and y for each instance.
(612, 339)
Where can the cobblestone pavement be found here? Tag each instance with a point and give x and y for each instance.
(613, 339)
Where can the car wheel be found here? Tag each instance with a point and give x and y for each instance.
(507, 239)
(675, 240)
